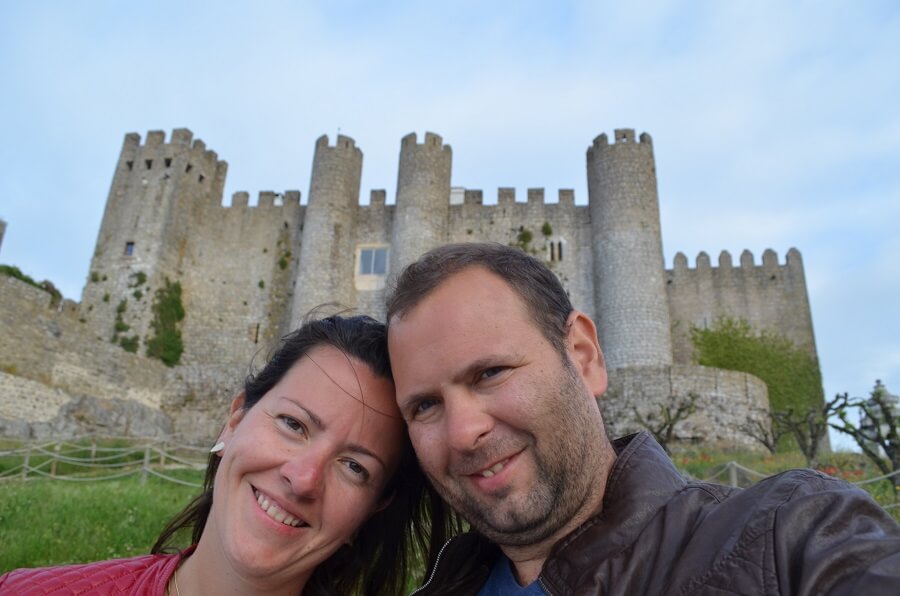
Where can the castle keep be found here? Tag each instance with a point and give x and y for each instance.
(249, 273)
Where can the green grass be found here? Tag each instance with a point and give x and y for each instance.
(55, 522)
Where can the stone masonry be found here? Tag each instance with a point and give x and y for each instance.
(250, 273)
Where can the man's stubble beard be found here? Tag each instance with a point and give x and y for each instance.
(564, 479)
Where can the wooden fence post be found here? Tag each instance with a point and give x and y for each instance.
(26, 463)
(146, 465)
(55, 460)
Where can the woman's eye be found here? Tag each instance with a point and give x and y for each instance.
(356, 469)
(293, 424)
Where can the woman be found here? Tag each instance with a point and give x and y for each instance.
(312, 487)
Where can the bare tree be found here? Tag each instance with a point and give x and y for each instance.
(768, 431)
(809, 428)
(879, 435)
(661, 423)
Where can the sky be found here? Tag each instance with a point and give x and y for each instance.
(775, 124)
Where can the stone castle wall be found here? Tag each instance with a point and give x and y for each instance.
(56, 372)
(769, 296)
(249, 273)
(725, 402)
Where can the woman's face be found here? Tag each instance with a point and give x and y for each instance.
(304, 467)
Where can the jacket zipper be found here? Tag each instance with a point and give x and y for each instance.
(437, 562)
(544, 586)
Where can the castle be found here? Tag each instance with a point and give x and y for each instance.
(248, 274)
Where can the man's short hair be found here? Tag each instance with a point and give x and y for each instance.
(539, 288)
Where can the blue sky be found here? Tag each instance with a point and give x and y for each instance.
(775, 124)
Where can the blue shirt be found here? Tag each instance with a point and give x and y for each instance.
(502, 582)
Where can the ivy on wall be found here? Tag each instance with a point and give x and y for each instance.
(791, 374)
(168, 311)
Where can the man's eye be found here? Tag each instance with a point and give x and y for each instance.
(425, 405)
(492, 372)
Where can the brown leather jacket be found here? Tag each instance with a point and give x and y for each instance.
(800, 532)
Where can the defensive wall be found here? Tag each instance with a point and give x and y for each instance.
(249, 273)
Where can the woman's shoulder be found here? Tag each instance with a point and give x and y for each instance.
(138, 576)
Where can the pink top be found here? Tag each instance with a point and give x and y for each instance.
(139, 576)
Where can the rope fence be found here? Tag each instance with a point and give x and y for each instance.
(85, 459)
(89, 460)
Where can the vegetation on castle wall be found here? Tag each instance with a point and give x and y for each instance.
(130, 344)
(46, 285)
(168, 312)
(791, 375)
(138, 279)
(547, 229)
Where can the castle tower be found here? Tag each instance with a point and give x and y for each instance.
(328, 246)
(629, 288)
(159, 190)
(423, 199)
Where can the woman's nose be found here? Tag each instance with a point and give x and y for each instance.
(305, 473)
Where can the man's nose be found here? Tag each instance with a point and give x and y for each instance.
(468, 422)
(305, 472)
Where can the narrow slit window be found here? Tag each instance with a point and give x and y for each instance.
(130, 165)
(129, 249)
(148, 163)
(559, 253)
(168, 162)
(188, 168)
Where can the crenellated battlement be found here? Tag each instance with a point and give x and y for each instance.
(622, 137)
(747, 262)
(431, 140)
(341, 142)
(266, 199)
(507, 196)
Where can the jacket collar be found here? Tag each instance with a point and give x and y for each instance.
(642, 481)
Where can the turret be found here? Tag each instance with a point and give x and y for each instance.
(629, 288)
(159, 190)
(423, 199)
(328, 245)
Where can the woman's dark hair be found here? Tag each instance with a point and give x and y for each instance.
(392, 544)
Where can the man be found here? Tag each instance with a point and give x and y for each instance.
(497, 378)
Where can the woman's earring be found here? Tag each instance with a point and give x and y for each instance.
(218, 447)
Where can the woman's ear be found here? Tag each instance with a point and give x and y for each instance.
(385, 503)
(237, 413)
(585, 353)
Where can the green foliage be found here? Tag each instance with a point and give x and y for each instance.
(95, 277)
(130, 344)
(122, 306)
(262, 285)
(138, 279)
(168, 312)
(106, 297)
(525, 237)
(791, 375)
(547, 229)
(46, 285)
(137, 294)
(121, 326)
(282, 263)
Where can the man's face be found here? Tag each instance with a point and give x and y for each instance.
(502, 423)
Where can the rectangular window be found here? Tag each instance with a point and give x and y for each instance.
(129, 249)
(373, 261)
